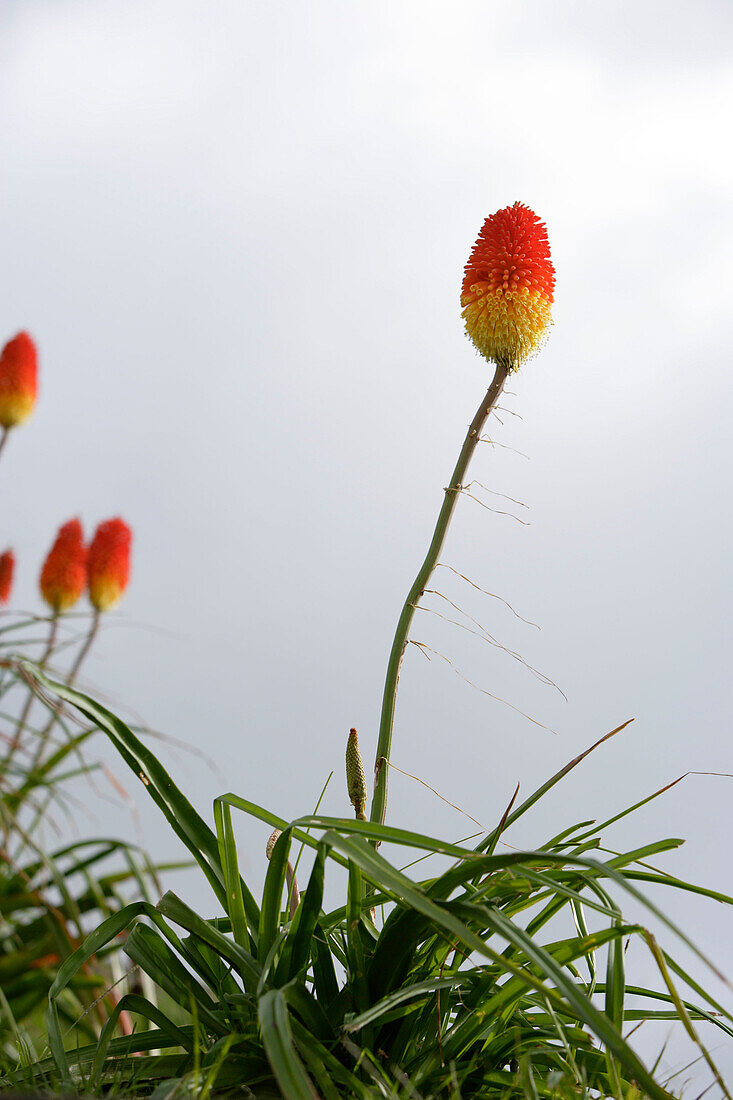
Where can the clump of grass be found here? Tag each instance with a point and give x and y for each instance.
(501, 974)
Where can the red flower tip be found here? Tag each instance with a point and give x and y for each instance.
(7, 569)
(18, 380)
(508, 286)
(64, 572)
(109, 563)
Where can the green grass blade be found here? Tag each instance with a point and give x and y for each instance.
(324, 972)
(298, 945)
(107, 931)
(354, 942)
(528, 803)
(240, 905)
(272, 893)
(180, 814)
(132, 1002)
(275, 821)
(405, 993)
(277, 1038)
(152, 954)
(615, 983)
(246, 966)
(382, 874)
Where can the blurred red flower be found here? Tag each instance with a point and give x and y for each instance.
(18, 380)
(7, 569)
(109, 563)
(64, 572)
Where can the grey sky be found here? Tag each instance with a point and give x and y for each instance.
(237, 232)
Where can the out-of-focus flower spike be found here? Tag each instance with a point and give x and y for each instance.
(7, 570)
(508, 287)
(64, 572)
(356, 776)
(18, 380)
(109, 563)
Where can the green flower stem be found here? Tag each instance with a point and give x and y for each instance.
(74, 670)
(69, 681)
(31, 695)
(386, 724)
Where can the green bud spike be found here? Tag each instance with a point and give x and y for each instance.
(271, 842)
(356, 776)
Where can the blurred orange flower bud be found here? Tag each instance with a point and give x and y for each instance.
(64, 572)
(508, 287)
(18, 380)
(109, 563)
(7, 568)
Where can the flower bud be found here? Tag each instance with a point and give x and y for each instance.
(64, 572)
(356, 776)
(109, 563)
(7, 568)
(272, 842)
(508, 287)
(18, 380)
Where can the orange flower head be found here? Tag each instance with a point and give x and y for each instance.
(18, 380)
(109, 563)
(64, 572)
(7, 568)
(508, 287)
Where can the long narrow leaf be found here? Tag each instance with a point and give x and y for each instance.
(281, 1054)
(272, 894)
(184, 820)
(378, 870)
(240, 904)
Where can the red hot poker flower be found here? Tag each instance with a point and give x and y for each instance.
(64, 572)
(7, 568)
(508, 286)
(18, 380)
(109, 563)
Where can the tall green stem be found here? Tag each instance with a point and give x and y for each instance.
(389, 699)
